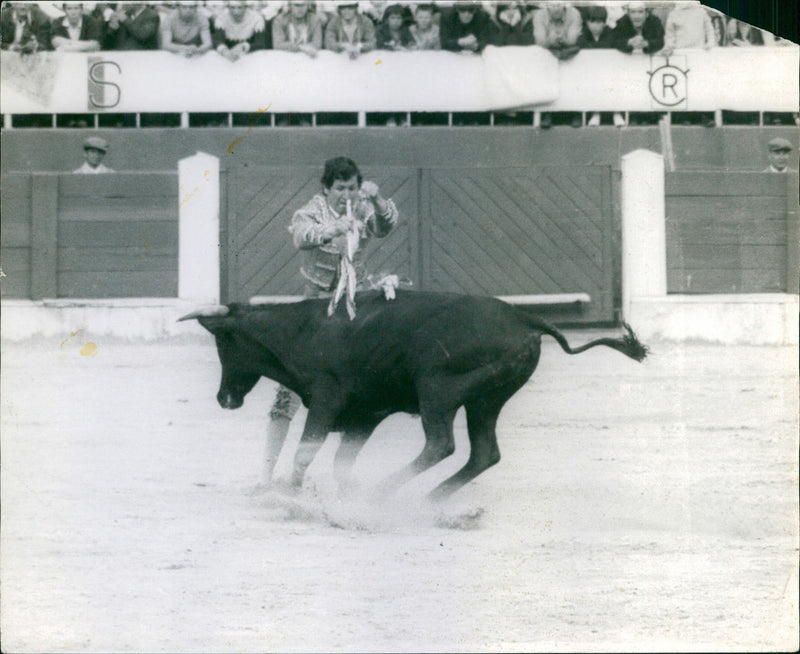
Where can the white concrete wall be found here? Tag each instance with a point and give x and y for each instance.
(644, 243)
(134, 319)
(768, 319)
(198, 232)
(758, 319)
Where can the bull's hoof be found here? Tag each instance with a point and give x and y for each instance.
(469, 519)
(286, 488)
(260, 489)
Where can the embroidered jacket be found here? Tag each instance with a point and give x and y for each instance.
(321, 258)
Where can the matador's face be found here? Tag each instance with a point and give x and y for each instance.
(340, 192)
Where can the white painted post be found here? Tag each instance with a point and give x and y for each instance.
(644, 242)
(198, 231)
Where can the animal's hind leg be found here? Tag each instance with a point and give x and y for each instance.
(439, 444)
(352, 443)
(484, 451)
(318, 425)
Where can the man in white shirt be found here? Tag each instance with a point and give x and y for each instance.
(94, 149)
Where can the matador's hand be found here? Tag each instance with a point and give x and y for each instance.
(369, 189)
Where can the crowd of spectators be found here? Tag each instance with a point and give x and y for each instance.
(235, 28)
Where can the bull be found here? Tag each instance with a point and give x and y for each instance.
(423, 353)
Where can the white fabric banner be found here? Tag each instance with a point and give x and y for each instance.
(744, 79)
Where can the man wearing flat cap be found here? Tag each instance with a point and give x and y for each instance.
(94, 149)
(778, 151)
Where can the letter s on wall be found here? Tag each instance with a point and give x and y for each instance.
(97, 84)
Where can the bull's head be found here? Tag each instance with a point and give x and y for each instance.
(238, 377)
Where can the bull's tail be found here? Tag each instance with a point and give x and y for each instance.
(629, 344)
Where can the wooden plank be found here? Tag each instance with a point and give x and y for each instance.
(44, 235)
(120, 185)
(15, 198)
(118, 284)
(110, 205)
(128, 214)
(702, 256)
(117, 259)
(569, 231)
(15, 235)
(743, 209)
(792, 235)
(15, 260)
(390, 255)
(458, 220)
(116, 234)
(531, 240)
(724, 184)
(558, 298)
(16, 286)
(484, 266)
(543, 201)
(725, 281)
(448, 275)
(422, 234)
(721, 233)
(263, 273)
(259, 257)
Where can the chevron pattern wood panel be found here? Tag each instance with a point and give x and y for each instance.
(261, 204)
(523, 231)
(487, 231)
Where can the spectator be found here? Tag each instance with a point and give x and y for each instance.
(238, 31)
(393, 32)
(185, 31)
(134, 26)
(374, 10)
(743, 34)
(350, 32)
(513, 25)
(595, 34)
(102, 12)
(75, 32)
(424, 30)
(214, 9)
(719, 23)
(778, 150)
(298, 30)
(342, 219)
(688, 26)
(24, 28)
(94, 150)
(639, 31)
(466, 28)
(557, 27)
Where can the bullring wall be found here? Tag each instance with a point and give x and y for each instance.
(153, 149)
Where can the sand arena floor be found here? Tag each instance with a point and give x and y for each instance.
(636, 507)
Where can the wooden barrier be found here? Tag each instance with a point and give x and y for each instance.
(15, 235)
(728, 233)
(90, 236)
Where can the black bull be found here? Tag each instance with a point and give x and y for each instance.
(422, 353)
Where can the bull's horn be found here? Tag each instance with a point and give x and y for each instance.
(206, 313)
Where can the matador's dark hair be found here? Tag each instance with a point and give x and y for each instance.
(340, 168)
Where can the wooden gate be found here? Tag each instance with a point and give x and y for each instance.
(510, 231)
(261, 259)
(486, 231)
